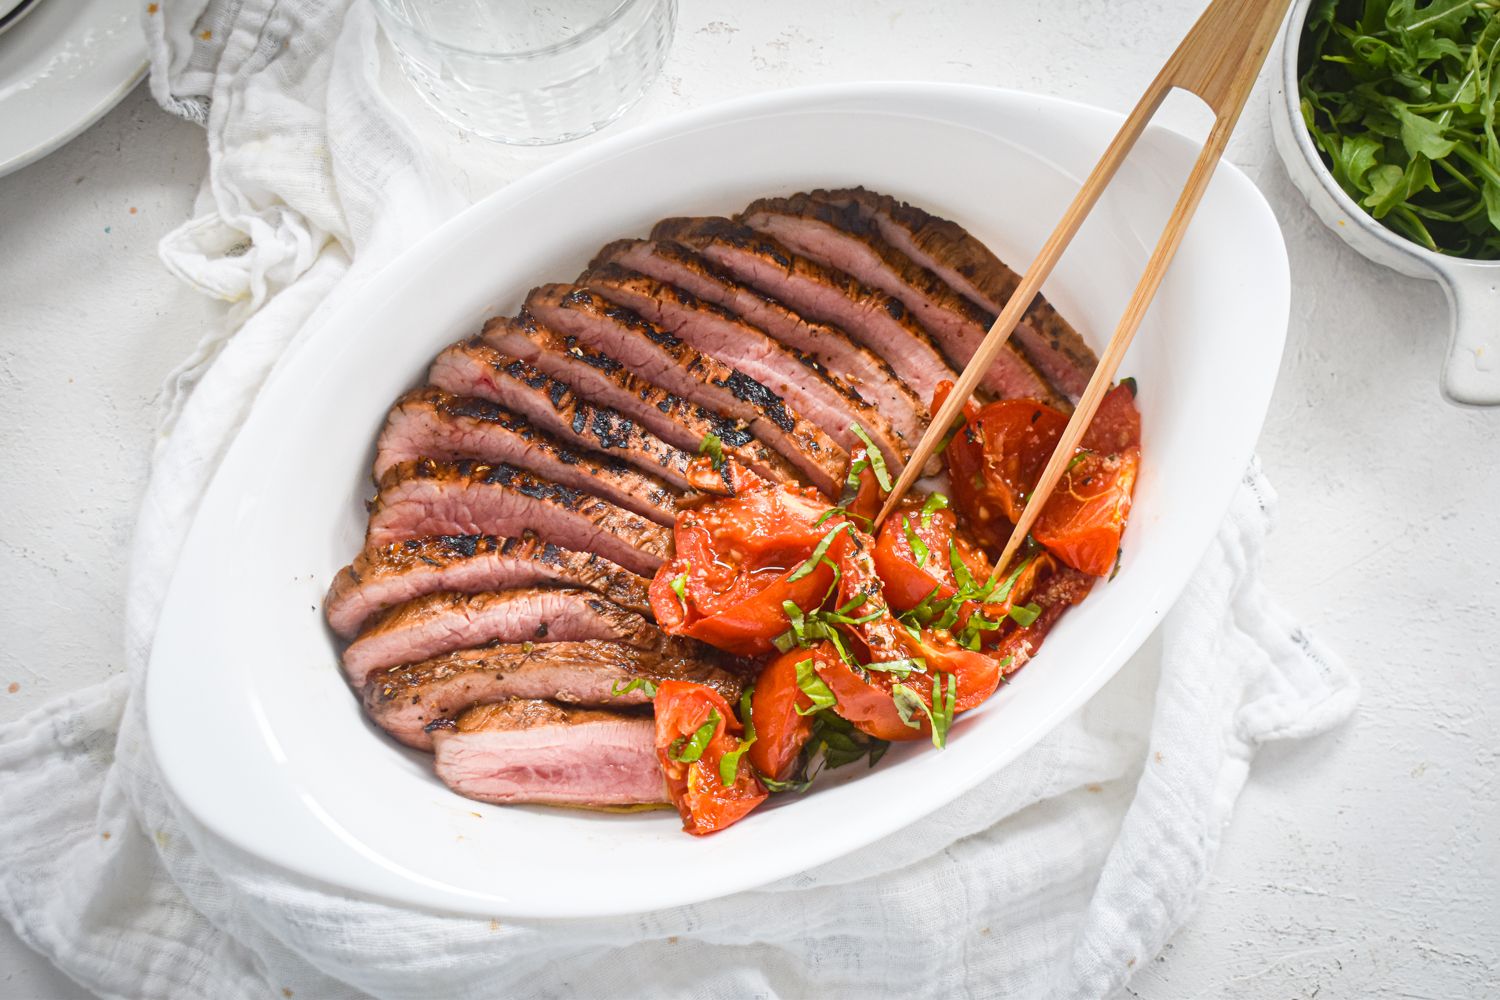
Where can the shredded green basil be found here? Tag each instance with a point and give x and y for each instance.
(818, 553)
(1025, 614)
(918, 547)
(877, 460)
(713, 446)
(687, 750)
(636, 684)
(934, 503)
(729, 764)
(819, 693)
(679, 587)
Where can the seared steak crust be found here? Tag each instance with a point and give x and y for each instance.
(961, 260)
(599, 376)
(380, 578)
(837, 236)
(428, 497)
(831, 347)
(798, 378)
(534, 751)
(474, 368)
(405, 700)
(441, 623)
(670, 363)
(874, 318)
(431, 423)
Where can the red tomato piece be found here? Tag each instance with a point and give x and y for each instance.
(1085, 515)
(907, 579)
(695, 786)
(780, 730)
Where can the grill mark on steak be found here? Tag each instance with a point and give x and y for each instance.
(380, 578)
(836, 236)
(798, 378)
(428, 497)
(962, 260)
(534, 751)
(404, 701)
(875, 319)
(474, 368)
(664, 359)
(830, 346)
(679, 421)
(431, 423)
(443, 622)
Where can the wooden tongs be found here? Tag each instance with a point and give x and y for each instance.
(1219, 61)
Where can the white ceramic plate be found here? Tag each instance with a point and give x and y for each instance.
(252, 722)
(61, 69)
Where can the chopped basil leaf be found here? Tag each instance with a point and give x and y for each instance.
(1129, 383)
(679, 587)
(901, 668)
(960, 570)
(713, 447)
(772, 785)
(969, 636)
(687, 750)
(1025, 614)
(934, 503)
(1082, 454)
(636, 684)
(830, 512)
(812, 685)
(877, 460)
(1119, 558)
(818, 553)
(918, 547)
(729, 764)
(908, 705)
(942, 709)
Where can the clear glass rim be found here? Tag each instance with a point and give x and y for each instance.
(587, 34)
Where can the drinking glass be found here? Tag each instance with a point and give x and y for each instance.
(528, 71)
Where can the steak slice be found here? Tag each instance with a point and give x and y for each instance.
(428, 497)
(431, 423)
(956, 256)
(405, 700)
(837, 237)
(474, 368)
(663, 359)
(534, 751)
(380, 578)
(798, 378)
(875, 319)
(856, 364)
(678, 421)
(443, 622)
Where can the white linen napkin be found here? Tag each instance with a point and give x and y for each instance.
(1055, 878)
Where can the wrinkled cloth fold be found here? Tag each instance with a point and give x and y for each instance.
(1054, 878)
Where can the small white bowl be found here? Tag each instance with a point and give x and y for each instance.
(1471, 375)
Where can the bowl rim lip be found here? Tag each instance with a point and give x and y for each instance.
(1292, 106)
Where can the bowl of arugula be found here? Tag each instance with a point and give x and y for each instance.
(1386, 117)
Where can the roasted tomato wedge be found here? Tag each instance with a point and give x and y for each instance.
(997, 456)
(781, 730)
(695, 730)
(913, 556)
(735, 559)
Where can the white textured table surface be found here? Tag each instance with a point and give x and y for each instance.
(1362, 864)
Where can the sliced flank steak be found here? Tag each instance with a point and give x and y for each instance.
(443, 622)
(663, 359)
(838, 237)
(598, 376)
(381, 578)
(872, 317)
(831, 347)
(538, 752)
(428, 497)
(798, 378)
(473, 368)
(404, 701)
(956, 256)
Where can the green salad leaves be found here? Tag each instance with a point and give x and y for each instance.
(1400, 97)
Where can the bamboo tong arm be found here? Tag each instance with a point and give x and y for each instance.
(1219, 61)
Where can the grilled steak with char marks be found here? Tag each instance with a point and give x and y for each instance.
(872, 317)
(678, 421)
(431, 423)
(838, 237)
(856, 364)
(428, 497)
(443, 622)
(538, 752)
(405, 700)
(474, 368)
(381, 578)
(667, 361)
(798, 378)
(956, 256)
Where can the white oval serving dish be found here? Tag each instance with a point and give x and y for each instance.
(250, 718)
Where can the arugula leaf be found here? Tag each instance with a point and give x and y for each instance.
(687, 750)
(729, 764)
(713, 446)
(637, 683)
(819, 693)
(877, 460)
(1401, 100)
